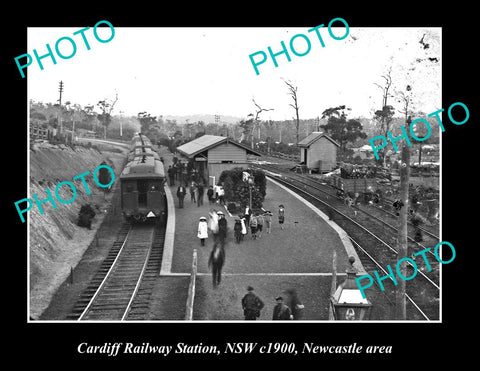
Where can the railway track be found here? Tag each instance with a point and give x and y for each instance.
(121, 288)
(422, 292)
(383, 212)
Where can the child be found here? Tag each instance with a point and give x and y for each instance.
(244, 227)
(202, 230)
(253, 226)
(260, 221)
(281, 215)
(237, 228)
(268, 221)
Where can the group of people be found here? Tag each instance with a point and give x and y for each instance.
(289, 308)
(216, 194)
(255, 221)
(217, 225)
(197, 190)
(177, 171)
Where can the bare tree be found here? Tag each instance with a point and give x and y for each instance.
(256, 122)
(292, 91)
(385, 115)
(385, 88)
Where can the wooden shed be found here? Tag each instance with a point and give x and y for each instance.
(213, 154)
(318, 152)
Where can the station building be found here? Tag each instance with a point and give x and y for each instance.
(318, 152)
(212, 154)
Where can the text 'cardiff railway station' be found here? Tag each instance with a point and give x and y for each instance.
(219, 218)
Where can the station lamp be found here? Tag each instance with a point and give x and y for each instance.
(347, 302)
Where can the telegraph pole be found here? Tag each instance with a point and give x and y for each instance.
(402, 238)
(60, 89)
(402, 246)
(217, 122)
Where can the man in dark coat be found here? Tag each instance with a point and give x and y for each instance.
(281, 312)
(181, 191)
(201, 191)
(222, 227)
(171, 175)
(215, 263)
(252, 305)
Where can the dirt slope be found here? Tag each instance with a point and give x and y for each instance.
(56, 243)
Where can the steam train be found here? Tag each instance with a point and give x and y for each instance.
(142, 183)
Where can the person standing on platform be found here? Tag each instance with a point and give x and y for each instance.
(171, 175)
(251, 305)
(253, 226)
(281, 312)
(281, 215)
(202, 230)
(215, 263)
(244, 227)
(237, 230)
(247, 214)
(222, 228)
(200, 194)
(260, 222)
(268, 221)
(210, 195)
(193, 189)
(181, 192)
(213, 224)
(295, 305)
(221, 195)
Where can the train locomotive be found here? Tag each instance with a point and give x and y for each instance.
(142, 183)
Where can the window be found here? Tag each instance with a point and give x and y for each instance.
(155, 186)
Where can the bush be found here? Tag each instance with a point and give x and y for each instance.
(232, 207)
(236, 190)
(85, 216)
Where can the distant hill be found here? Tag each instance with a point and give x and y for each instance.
(206, 118)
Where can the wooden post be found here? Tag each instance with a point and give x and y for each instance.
(402, 243)
(334, 284)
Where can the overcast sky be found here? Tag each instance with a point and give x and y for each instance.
(182, 71)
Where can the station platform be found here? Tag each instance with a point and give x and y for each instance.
(299, 257)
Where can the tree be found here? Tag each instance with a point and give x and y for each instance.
(341, 129)
(237, 190)
(256, 122)
(292, 91)
(269, 126)
(105, 117)
(384, 116)
(247, 129)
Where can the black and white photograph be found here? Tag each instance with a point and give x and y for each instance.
(271, 179)
(283, 156)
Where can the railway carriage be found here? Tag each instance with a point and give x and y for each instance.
(142, 151)
(142, 189)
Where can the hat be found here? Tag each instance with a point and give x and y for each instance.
(203, 218)
(220, 213)
(279, 298)
(249, 288)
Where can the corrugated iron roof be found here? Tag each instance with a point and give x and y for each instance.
(206, 142)
(143, 166)
(313, 137)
